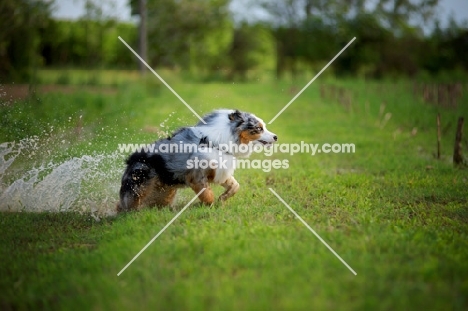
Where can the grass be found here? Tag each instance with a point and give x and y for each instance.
(392, 211)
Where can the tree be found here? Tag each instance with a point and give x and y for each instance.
(306, 31)
(252, 48)
(309, 32)
(397, 14)
(188, 34)
(139, 7)
(292, 13)
(142, 37)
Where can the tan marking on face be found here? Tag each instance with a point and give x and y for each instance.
(245, 137)
(262, 125)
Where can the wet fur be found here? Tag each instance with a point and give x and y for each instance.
(152, 179)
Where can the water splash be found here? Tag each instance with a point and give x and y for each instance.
(88, 183)
(167, 125)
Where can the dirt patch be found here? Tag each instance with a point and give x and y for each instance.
(70, 89)
(10, 93)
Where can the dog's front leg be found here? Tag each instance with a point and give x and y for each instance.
(232, 186)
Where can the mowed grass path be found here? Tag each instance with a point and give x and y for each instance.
(396, 215)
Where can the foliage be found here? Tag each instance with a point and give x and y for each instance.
(89, 43)
(399, 14)
(188, 33)
(201, 37)
(22, 24)
(311, 32)
(252, 48)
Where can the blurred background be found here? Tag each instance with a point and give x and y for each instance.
(231, 40)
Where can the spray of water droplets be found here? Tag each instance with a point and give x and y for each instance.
(88, 183)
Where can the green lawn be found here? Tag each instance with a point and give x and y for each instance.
(394, 213)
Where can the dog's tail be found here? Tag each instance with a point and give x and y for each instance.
(137, 173)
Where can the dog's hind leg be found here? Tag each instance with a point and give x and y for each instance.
(159, 194)
(132, 198)
(198, 180)
(136, 184)
(232, 186)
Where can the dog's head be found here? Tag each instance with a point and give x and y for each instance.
(224, 127)
(251, 129)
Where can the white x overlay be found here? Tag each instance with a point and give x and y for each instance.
(312, 230)
(162, 230)
(162, 80)
(313, 79)
(194, 198)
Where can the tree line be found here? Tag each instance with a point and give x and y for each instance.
(204, 37)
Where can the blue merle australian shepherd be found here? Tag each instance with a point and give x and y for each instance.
(152, 177)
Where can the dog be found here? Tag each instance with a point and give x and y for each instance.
(152, 177)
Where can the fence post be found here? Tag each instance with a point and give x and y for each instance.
(457, 150)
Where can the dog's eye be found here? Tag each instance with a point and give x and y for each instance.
(259, 128)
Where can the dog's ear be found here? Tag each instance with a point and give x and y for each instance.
(236, 116)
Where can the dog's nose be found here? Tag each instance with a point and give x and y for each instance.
(275, 138)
